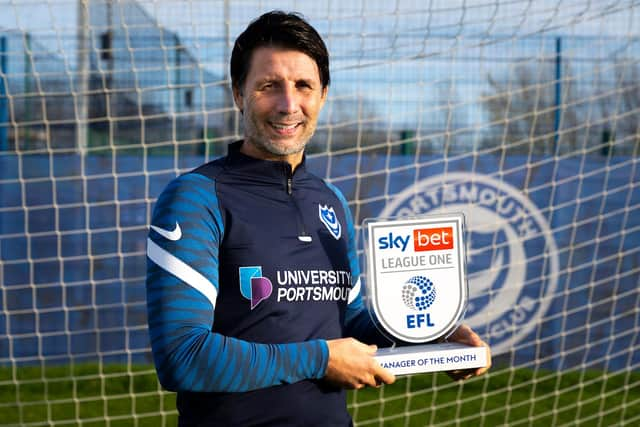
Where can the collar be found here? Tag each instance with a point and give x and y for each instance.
(275, 169)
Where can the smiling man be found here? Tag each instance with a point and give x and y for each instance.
(253, 288)
(280, 101)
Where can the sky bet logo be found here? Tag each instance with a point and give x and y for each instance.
(424, 239)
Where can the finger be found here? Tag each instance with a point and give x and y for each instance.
(484, 369)
(371, 349)
(369, 380)
(481, 371)
(465, 335)
(384, 376)
(461, 374)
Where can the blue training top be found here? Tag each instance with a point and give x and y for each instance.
(251, 269)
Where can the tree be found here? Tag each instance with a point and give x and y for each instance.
(523, 111)
(533, 112)
(619, 109)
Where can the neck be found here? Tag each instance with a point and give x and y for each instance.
(252, 150)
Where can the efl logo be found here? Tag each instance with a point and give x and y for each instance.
(432, 239)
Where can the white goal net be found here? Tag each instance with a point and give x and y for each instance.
(524, 115)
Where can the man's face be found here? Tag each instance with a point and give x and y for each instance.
(280, 100)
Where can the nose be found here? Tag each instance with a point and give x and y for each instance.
(288, 101)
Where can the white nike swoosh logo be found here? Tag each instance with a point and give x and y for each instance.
(173, 235)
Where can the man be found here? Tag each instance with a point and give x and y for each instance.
(254, 302)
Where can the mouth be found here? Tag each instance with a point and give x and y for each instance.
(285, 128)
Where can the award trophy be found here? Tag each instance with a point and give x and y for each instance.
(417, 289)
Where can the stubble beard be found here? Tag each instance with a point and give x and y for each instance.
(271, 145)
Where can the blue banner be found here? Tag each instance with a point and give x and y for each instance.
(552, 247)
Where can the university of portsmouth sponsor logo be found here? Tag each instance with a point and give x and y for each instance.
(330, 220)
(253, 286)
(313, 285)
(512, 257)
(295, 286)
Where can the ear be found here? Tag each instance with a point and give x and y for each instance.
(323, 97)
(238, 98)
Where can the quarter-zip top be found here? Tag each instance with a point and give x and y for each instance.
(282, 264)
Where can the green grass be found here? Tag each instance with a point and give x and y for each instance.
(84, 395)
(506, 397)
(116, 395)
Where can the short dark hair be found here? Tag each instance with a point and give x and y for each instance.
(278, 29)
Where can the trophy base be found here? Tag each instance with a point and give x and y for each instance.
(416, 359)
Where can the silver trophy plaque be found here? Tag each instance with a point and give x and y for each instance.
(417, 290)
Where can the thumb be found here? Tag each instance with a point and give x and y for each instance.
(371, 349)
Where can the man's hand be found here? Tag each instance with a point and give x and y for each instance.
(464, 335)
(352, 366)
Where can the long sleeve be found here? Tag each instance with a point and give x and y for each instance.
(182, 288)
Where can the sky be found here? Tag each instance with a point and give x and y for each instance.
(374, 43)
(621, 17)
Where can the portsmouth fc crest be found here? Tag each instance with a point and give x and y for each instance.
(330, 220)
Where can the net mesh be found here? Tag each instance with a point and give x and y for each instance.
(523, 115)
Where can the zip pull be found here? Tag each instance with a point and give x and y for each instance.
(304, 238)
